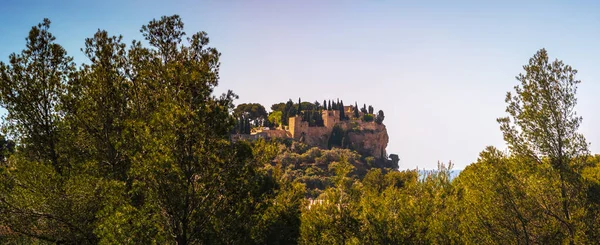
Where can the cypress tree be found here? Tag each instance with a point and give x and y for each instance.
(324, 105)
(355, 110)
(341, 108)
(319, 119)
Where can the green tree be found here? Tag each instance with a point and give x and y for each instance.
(97, 106)
(285, 112)
(32, 86)
(292, 112)
(187, 170)
(379, 118)
(255, 112)
(342, 112)
(42, 194)
(356, 115)
(275, 117)
(278, 107)
(542, 123)
(337, 137)
(332, 218)
(395, 208)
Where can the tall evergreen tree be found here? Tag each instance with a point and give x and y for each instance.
(284, 113)
(356, 110)
(364, 109)
(35, 194)
(542, 122)
(380, 116)
(31, 88)
(342, 113)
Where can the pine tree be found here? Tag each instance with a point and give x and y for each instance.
(542, 124)
(284, 113)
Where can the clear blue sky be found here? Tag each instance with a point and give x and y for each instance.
(438, 69)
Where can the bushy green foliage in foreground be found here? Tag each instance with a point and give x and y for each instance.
(133, 148)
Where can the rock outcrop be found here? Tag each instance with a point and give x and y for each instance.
(367, 138)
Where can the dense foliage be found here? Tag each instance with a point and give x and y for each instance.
(134, 148)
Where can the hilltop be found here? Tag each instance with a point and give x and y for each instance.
(311, 136)
(326, 126)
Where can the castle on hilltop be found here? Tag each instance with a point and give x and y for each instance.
(360, 131)
(298, 127)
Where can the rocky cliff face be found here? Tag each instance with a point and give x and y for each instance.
(367, 138)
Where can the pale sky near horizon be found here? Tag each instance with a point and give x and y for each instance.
(438, 69)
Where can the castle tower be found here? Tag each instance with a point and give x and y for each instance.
(330, 118)
(297, 126)
(292, 125)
